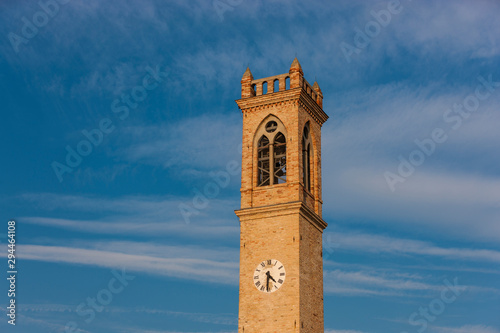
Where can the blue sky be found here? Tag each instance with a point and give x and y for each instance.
(411, 183)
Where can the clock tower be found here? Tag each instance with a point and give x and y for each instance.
(281, 265)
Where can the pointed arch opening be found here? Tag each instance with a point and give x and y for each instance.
(263, 174)
(279, 157)
(306, 157)
(271, 152)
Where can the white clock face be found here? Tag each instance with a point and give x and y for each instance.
(269, 276)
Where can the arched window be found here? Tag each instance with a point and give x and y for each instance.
(279, 159)
(264, 88)
(276, 85)
(306, 158)
(271, 153)
(263, 162)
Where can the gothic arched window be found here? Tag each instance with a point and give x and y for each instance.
(279, 159)
(306, 158)
(263, 161)
(271, 153)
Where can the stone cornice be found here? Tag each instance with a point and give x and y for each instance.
(295, 95)
(314, 218)
(313, 108)
(246, 104)
(280, 210)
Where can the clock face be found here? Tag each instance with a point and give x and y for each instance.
(269, 276)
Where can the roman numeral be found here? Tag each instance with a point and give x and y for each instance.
(280, 267)
(282, 274)
(269, 262)
(263, 264)
(280, 281)
(258, 283)
(256, 277)
(262, 288)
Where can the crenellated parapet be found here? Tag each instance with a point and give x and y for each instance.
(294, 79)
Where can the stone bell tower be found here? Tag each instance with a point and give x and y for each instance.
(281, 265)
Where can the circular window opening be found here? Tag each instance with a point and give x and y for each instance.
(271, 126)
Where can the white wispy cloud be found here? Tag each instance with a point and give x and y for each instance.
(205, 142)
(466, 329)
(396, 246)
(374, 283)
(443, 21)
(209, 318)
(37, 323)
(137, 226)
(458, 200)
(180, 266)
(142, 215)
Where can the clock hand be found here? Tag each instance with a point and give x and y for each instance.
(269, 276)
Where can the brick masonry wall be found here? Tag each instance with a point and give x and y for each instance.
(311, 277)
(265, 236)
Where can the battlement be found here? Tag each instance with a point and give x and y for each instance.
(278, 83)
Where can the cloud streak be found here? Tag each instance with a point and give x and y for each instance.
(224, 272)
(466, 329)
(369, 243)
(141, 215)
